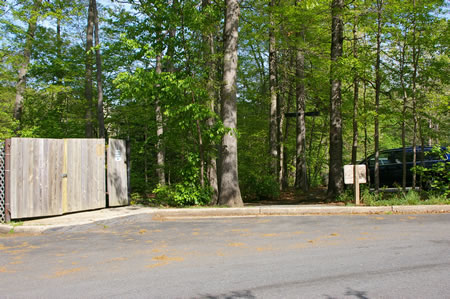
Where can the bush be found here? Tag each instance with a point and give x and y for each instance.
(437, 177)
(180, 195)
(260, 186)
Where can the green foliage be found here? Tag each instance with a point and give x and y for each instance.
(437, 178)
(182, 194)
(400, 198)
(133, 35)
(346, 197)
(259, 186)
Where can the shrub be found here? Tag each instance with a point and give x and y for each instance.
(438, 176)
(179, 195)
(260, 186)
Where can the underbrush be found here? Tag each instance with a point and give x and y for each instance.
(177, 195)
(399, 198)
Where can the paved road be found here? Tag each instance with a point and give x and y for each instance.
(389, 256)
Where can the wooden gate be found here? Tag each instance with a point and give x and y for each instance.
(56, 176)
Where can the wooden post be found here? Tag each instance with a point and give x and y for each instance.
(356, 183)
(7, 180)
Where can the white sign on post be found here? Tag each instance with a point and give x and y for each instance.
(118, 155)
(348, 174)
(354, 175)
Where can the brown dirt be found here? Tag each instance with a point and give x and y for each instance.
(292, 197)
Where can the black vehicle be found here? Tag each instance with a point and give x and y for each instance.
(391, 166)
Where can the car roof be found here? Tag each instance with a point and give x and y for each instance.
(410, 149)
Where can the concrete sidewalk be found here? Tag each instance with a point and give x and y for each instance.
(89, 217)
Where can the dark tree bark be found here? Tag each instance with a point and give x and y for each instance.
(230, 194)
(377, 96)
(26, 57)
(273, 124)
(98, 62)
(336, 179)
(88, 94)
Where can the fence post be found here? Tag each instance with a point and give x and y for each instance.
(7, 180)
(128, 157)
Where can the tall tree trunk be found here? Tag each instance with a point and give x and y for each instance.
(355, 114)
(377, 97)
(23, 69)
(98, 62)
(355, 99)
(209, 51)
(273, 124)
(365, 133)
(230, 194)
(59, 72)
(405, 102)
(415, 57)
(291, 99)
(160, 155)
(171, 45)
(301, 178)
(336, 179)
(88, 94)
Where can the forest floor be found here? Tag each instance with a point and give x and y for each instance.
(314, 196)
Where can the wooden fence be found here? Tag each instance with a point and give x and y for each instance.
(56, 176)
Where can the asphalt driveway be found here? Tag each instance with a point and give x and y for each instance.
(373, 256)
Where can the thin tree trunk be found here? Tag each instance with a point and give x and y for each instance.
(230, 194)
(291, 95)
(98, 61)
(355, 114)
(88, 94)
(336, 179)
(301, 178)
(200, 149)
(160, 156)
(415, 57)
(27, 51)
(284, 103)
(430, 127)
(365, 134)
(405, 102)
(208, 41)
(355, 99)
(273, 125)
(377, 97)
(59, 73)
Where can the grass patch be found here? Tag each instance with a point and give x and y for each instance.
(410, 198)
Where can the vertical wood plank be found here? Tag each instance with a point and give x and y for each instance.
(26, 204)
(14, 176)
(117, 173)
(101, 171)
(64, 206)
